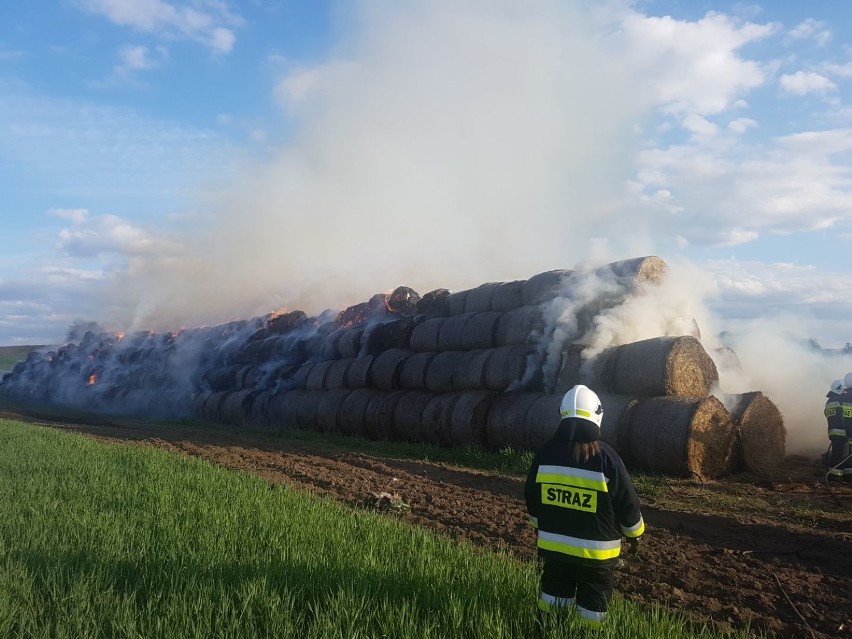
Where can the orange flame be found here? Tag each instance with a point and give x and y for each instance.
(92, 379)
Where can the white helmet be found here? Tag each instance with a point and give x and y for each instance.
(847, 381)
(582, 402)
(838, 386)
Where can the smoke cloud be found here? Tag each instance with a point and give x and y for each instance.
(442, 145)
(446, 144)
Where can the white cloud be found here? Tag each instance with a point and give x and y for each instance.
(804, 82)
(811, 29)
(136, 57)
(209, 23)
(741, 125)
(693, 67)
(107, 235)
(699, 126)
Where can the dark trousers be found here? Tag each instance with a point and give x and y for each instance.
(839, 451)
(589, 587)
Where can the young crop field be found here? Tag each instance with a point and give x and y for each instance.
(153, 529)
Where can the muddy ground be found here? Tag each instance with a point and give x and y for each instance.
(774, 555)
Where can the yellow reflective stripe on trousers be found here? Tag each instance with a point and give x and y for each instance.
(634, 531)
(533, 521)
(576, 547)
(837, 432)
(591, 617)
(568, 476)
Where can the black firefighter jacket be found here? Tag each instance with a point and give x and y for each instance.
(835, 412)
(581, 510)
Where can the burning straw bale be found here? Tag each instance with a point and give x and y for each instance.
(680, 436)
(677, 366)
(760, 433)
(434, 303)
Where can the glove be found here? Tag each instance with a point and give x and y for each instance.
(634, 546)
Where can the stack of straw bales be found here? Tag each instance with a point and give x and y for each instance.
(463, 368)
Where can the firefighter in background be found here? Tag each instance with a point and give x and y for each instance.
(846, 466)
(581, 499)
(835, 414)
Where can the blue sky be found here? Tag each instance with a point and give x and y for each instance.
(170, 163)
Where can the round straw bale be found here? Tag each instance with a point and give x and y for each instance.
(437, 415)
(197, 406)
(330, 348)
(408, 416)
(616, 415)
(677, 366)
(680, 436)
(358, 372)
(211, 410)
(248, 377)
(727, 360)
(450, 335)
(285, 323)
(336, 376)
(455, 302)
(651, 269)
(258, 416)
(480, 330)
(523, 325)
(317, 376)
(353, 316)
(282, 373)
(761, 433)
(349, 344)
(478, 299)
(352, 411)
(412, 374)
(542, 420)
(469, 373)
(231, 410)
(299, 379)
(219, 378)
(469, 417)
(434, 303)
(385, 371)
(296, 409)
(440, 371)
(403, 301)
(424, 337)
(378, 418)
(508, 296)
(513, 367)
(392, 334)
(329, 410)
(505, 424)
(543, 287)
(571, 370)
(314, 346)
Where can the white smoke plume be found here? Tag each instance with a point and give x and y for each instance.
(442, 145)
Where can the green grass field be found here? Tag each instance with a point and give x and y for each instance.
(10, 355)
(105, 540)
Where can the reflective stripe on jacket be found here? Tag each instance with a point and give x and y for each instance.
(581, 509)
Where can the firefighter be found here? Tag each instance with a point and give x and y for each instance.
(847, 426)
(835, 414)
(581, 499)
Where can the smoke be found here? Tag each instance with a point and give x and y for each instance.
(442, 144)
(791, 372)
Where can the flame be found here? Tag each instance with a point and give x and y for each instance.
(119, 336)
(92, 379)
